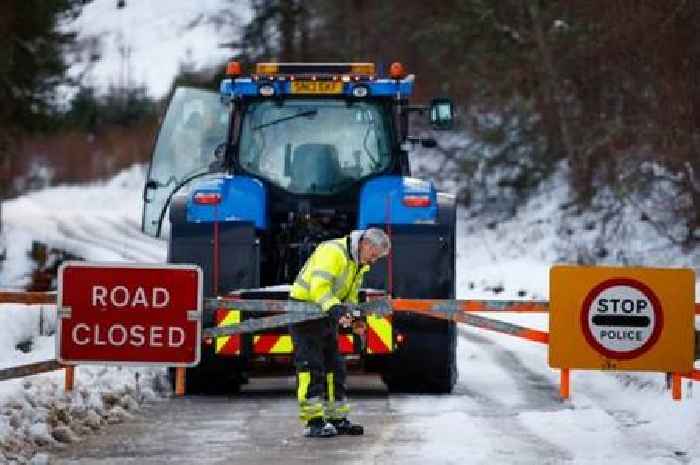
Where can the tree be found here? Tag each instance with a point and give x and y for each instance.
(611, 87)
(32, 65)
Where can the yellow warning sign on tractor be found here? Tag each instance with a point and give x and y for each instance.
(633, 319)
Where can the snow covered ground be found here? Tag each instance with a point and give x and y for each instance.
(147, 41)
(512, 261)
(101, 222)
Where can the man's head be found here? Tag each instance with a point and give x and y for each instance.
(374, 244)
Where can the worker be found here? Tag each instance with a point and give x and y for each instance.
(331, 278)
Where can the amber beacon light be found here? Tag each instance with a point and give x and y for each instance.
(396, 70)
(233, 69)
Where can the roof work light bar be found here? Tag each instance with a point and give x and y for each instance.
(270, 69)
(355, 80)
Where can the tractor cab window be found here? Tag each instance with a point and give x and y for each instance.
(314, 146)
(195, 125)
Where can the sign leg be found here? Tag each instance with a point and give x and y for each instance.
(69, 378)
(180, 381)
(677, 387)
(564, 383)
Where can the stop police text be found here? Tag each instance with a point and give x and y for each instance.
(621, 334)
(622, 306)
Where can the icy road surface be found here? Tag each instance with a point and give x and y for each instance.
(501, 412)
(260, 425)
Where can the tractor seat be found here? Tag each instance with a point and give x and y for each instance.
(314, 168)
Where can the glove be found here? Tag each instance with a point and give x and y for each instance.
(340, 310)
(342, 313)
(359, 327)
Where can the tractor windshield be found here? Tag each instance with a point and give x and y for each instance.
(314, 146)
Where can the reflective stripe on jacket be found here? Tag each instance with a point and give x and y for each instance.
(330, 276)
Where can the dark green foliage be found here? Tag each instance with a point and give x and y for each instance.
(31, 67)
(118, 107)
(32, 59)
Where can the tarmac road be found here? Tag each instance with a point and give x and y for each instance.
(257, 426)
(260, 425)
(488, 419)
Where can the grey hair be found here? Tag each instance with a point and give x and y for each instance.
(378, 238)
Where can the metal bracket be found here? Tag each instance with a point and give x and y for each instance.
(65, 313)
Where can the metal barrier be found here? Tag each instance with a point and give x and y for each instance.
(454, 310)
(27, 298)
(20, 371)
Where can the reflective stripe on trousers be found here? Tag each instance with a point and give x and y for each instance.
(334, 409)
(320, 369)
(308, 408)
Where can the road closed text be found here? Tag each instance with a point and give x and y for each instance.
(118, 335)
(123, 297)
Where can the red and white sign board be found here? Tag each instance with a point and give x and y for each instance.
(622, 318)
(129, 314)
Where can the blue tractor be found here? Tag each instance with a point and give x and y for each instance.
(253, 177)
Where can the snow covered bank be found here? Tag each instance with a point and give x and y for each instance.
(511, 259)
(101, 222)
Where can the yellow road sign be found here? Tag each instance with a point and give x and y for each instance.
(634, 319)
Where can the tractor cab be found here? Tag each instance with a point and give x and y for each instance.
(305, 130)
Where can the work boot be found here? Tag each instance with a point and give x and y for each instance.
(317, 428)
(345, 426)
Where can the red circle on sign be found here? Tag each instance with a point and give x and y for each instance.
(658, 318)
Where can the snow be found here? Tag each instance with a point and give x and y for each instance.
(606, 411)
(148, 41)
(99, 222)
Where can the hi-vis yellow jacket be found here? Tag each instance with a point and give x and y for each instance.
(330, 275)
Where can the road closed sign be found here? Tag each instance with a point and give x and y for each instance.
(130, 314)
(622, 318)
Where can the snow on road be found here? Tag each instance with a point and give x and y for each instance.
(505, 408)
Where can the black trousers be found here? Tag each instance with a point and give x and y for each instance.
(321, 371)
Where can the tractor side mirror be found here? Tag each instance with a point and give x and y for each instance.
(441, 114)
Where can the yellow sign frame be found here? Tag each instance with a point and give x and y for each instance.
(670, 349)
